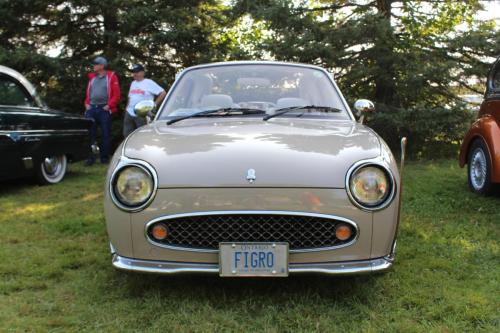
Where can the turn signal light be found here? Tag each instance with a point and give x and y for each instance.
(159, 232)
(343, 232)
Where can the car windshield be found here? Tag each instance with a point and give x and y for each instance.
(266, 87)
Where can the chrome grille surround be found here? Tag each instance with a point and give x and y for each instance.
(278, 221)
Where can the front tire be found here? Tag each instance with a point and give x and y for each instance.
(51, 169)
(479, 168)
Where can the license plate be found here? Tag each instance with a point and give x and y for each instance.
(253, 259)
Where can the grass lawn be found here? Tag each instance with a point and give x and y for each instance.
(56, 275)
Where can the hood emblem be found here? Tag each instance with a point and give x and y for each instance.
(251, 175)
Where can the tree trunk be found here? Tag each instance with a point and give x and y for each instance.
(384, 56)
(111, 34)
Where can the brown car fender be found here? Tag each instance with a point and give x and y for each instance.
(486, 129)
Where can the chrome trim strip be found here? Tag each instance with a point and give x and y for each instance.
(404, 141)
(36, 109)
(380, 162)
(161, 267)
(46, 131)
(125, 162)
(23, 81)
(250, 212)
(112, 248)
(333, 268)
(393, 248)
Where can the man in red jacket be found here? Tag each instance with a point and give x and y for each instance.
(101, 101)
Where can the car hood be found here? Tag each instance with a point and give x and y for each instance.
(282, 152)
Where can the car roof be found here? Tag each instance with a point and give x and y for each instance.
(254, 62)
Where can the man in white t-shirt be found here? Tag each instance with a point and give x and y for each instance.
(141, 89)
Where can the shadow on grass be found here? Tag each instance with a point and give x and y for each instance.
(13, 186)
(344, 289)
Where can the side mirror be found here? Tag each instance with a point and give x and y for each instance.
(362, 106)
(142, 108)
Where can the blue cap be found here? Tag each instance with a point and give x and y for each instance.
(137, 68)
(100, 61)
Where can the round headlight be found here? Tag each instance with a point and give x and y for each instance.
(133, 186)
(370, 186)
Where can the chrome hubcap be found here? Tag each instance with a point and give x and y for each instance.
(52, 165)
(478, 169)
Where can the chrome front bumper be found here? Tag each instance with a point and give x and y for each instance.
(333, 268)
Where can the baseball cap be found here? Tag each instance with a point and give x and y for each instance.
(137, 68)
(100, 61)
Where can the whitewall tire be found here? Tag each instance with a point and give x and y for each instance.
(52, 169)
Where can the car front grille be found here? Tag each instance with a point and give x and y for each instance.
(301, 232)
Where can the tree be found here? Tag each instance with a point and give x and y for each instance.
(383, 49)
(163, 35)
(405, 55)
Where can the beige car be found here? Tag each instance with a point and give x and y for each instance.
(253, 169)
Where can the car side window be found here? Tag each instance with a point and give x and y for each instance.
(11, 93)
(496, 79)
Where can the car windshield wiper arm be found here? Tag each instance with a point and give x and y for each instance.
(279, 112)
(227, 111)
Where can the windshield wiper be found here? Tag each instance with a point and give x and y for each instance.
(279, 112)
(225, 111)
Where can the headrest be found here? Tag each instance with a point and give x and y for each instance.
(219, 100)
(291, 101)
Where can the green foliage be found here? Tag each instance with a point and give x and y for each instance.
(410, 57)
(56, 273)
(431, 132)
(163, 35)
(396, 53)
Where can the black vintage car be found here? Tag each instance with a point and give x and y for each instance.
(34, 140)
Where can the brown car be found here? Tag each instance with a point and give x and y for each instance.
(481, 146)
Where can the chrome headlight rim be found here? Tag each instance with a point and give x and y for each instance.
(147, 168)
(392, 182)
